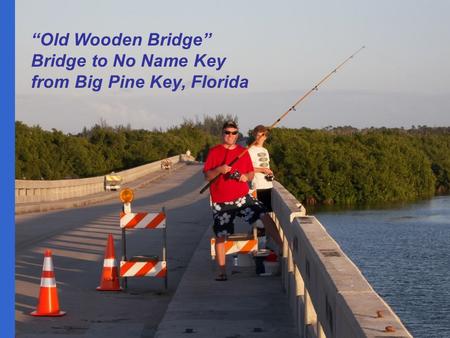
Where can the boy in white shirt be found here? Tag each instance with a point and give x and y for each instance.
(262, 181)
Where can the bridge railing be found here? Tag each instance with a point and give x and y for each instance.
(328, 295)
(29, 191)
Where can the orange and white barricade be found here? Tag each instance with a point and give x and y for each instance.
(143, 266)
(237, 244)
(143, 220)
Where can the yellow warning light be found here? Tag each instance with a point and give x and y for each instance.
(126, 195)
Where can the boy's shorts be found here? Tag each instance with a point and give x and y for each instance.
(224, 214)
(265, 197)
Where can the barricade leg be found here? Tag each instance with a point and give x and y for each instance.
(124, 258)
(164, 255)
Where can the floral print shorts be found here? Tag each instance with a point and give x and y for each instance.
(224, 214)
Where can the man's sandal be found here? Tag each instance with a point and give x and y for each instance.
(221, 277)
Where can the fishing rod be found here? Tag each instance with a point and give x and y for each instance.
(315, 88)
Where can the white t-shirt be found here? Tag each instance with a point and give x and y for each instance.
(260, 159)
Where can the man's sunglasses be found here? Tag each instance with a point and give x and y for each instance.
(226, 132)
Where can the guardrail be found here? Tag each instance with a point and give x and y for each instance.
(328, 295)
(29, 191)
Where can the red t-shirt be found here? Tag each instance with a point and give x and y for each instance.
(226, 189)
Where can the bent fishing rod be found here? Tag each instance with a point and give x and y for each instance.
(315, 88)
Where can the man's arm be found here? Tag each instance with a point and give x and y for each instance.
(247, 176)
(265, 171)
(223, 169)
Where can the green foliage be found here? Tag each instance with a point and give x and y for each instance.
(342, 165)
(347, 166)
(52, 155)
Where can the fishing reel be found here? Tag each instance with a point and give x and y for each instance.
(269, 177)
(235, 175)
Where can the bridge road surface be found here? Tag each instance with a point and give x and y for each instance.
(77, 238)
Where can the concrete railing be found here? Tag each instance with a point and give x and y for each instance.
(30, 191)
(328, 295)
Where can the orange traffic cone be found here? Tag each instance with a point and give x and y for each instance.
(48, 304)
(110, 278)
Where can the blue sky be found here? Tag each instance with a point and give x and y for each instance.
(402, 78)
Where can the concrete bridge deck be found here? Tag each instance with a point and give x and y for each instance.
(245, 305)
(250, 305)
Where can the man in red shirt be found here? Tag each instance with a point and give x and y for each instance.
(229, 193)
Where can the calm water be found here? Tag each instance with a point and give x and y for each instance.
(405, 254)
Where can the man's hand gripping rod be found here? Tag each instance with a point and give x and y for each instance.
(316, 87)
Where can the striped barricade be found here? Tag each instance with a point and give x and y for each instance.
(143, 220)
(237, 244)
(143, 266)
(151, 268)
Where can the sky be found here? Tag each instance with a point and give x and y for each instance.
(401, 78)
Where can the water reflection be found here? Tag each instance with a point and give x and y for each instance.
(404, 252)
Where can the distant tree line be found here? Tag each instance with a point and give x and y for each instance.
(343, 165)
(51, 155)
(347, 166)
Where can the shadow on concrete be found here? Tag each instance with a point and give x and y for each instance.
(77, 238)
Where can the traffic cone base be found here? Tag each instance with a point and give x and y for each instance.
(57, 314)
(101, 288)
(110, 277)
(112, 286)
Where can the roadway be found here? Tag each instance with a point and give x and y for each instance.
(77, 238)
(244, 306)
